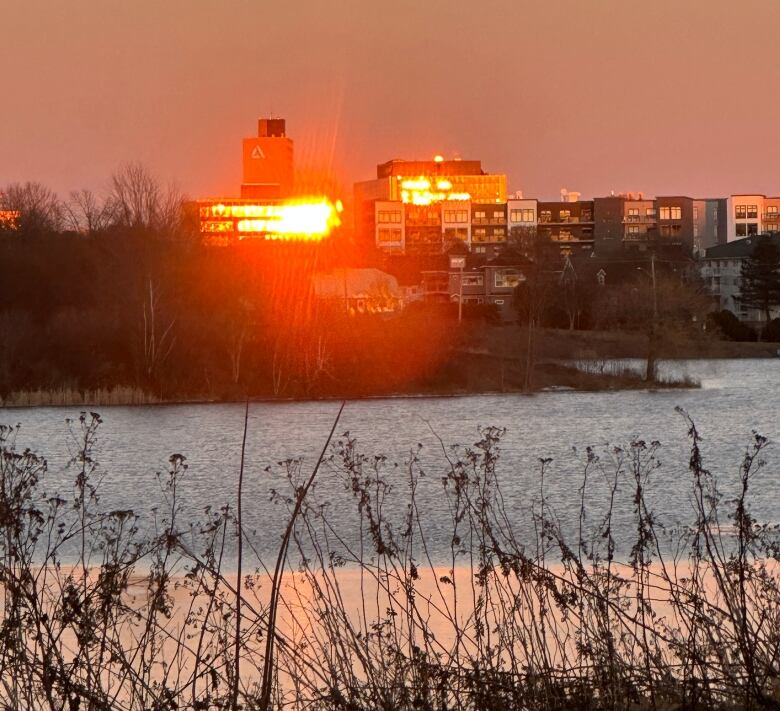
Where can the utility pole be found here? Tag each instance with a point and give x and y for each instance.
(460, 294)
(655, 292)
(650, 372)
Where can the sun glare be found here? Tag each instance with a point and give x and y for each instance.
(307, 219)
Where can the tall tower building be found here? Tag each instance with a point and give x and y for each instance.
(268, 162)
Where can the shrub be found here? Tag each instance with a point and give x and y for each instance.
(730, 326)
(771, 332)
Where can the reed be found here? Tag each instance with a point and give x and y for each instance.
(99, 615)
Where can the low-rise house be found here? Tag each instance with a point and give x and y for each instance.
(360, 290)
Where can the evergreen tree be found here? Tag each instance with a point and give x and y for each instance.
(760, 283)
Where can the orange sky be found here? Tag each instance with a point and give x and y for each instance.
(664, 96)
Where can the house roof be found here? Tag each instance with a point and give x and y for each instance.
(740, 248)
(354, 283)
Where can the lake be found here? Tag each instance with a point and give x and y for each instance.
(736, 397)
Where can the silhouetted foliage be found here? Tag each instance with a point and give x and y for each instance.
(760, 278)
(730, 326)
(771, 332)
(136, 610)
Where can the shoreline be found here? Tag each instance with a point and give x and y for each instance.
(157, 402)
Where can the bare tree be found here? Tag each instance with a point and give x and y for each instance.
(39, 208)
(137, 200)
(158, 339)
(533, 296)
(85, 213)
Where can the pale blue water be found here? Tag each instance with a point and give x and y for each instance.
(736, 397)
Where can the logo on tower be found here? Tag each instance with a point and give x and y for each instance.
(257, 152)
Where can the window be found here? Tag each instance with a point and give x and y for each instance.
(545, 216)
(565, 236)
(740, 212)
(650, 212)
(389, 216)
(480, 250)
(695, 213)
(741, 230)
(478, 234)
(506, 278)
(771, 210)
(633, 211)
(498, 217)
(752, 228)
(524, 215)
(499, 233)
(671, 230)
(455, 233)
(564, 215)
(473, 280)
(456, 216)
(480, 216)
(389, 235)
(671, 213)
(752, 212)
(632, 232)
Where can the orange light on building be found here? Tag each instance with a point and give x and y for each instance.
(420, 191)
(307, 219)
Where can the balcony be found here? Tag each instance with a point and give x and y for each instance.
(771, 216)
(634, 219)
(501, 220)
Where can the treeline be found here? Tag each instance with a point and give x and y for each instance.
(178, 320)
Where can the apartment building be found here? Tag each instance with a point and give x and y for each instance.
(569, 222)
(721, 270)
(431, 184)
(709, 224)
(488, 228)
(749, 215)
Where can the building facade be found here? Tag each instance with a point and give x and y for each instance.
(721, 271)
(750, 215)
(437, 200)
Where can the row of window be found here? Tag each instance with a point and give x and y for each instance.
(479, 234)
(634, 212)
(565, 216)
(750, 212)
(746, 212)
(456, 215)
(385, 216)
(743, 230)
(670, 213)
(522, 215)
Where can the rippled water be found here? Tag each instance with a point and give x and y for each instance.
(736, 397)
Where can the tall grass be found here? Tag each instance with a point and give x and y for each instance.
(66, 396)
(373, 619)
